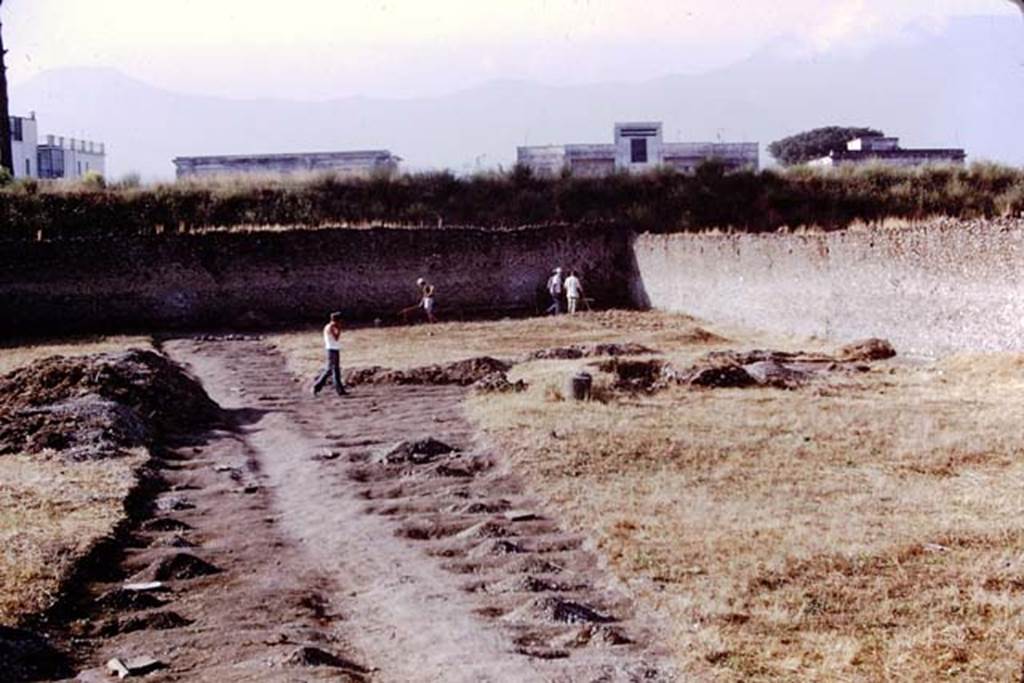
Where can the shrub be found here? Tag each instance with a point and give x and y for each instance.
(661, 201)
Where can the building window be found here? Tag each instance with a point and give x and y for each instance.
(28, 168)
(638, 150)
(79, 168)
(51, 163)
(16, 132)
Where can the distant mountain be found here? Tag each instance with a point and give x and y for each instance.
(964, 87)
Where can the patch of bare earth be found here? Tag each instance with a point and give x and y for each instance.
(862, 525)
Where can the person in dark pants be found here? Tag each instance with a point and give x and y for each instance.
(555, 291)
(332, 342)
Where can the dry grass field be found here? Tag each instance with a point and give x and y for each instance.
(52, 510)
(864, 528)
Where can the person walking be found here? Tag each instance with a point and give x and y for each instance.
(573, 291)
(555, 290)
(332, 343)
(427, 299)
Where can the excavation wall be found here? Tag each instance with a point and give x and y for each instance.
(227, 279)
(932, 288)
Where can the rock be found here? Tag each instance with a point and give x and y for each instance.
(145, 587)
(173, 503)
(415, 452)
(176, 566)
(308, 655)
(569, 612)
(135, 666)
(521, 516)
(865, 350)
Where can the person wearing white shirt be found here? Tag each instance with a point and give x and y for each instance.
(573, 291)
(332, 343)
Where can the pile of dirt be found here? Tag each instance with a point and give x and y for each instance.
(462, 373)
(742, 369)
(498, 383)
(589, 351)
(95, 406)
(638, 375)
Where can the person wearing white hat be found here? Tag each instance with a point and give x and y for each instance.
(427, 298)
(555, 290)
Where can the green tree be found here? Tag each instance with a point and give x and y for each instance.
(6, 155)
(817, 143)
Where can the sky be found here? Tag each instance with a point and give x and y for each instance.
(325, 49)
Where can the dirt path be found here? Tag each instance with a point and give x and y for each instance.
(419, 566)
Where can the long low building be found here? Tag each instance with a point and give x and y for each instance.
(355, 163)
(638, 146)
(887, 151)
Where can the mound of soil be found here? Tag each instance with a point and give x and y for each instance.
(588, 351)
(866, 350)
(94, 406)
(498, 383)
(638, 375)
(742, 369)
(462, 373)
(177, 566)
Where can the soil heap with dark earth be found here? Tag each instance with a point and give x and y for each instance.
(96, 406)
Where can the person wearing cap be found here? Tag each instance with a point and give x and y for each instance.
(332, 343)
(427, 298)
(555, 290)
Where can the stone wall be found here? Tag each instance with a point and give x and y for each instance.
(226, 278)
(931, 288)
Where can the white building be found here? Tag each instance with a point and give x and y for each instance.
(887, 151)
(61, 157)
(638, 146)
(56, 156)
(24, 136)
(346, 163)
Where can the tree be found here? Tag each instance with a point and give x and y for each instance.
(817, 143)
(6, 155)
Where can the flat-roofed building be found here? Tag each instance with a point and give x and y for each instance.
(638, 146)
(365, 162)
(24, 141)
(55, 156)
(61, 157)
(879, 149)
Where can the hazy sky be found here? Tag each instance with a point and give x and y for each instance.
(320, 49)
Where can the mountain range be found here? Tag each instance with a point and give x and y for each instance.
(962, 87)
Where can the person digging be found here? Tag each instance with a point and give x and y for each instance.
(332, 343)
(426, 302)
